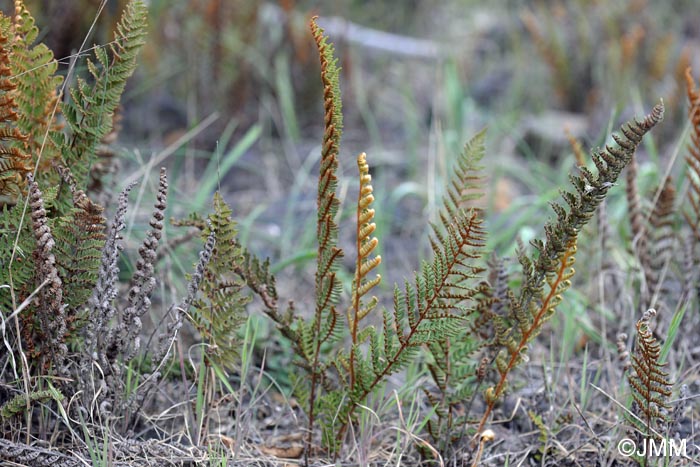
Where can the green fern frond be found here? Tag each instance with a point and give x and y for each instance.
(18, 404)
(78, 254)
(89, 114)
(328, 286)
(220, 310)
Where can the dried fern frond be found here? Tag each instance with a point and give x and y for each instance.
(661, 242)
(636, 215)
(50, 310)
(100, 311)
(127, 341)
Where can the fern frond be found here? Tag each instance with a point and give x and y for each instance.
(18, 404)
(556, 252)
(82, 234)
(15, 163)
(692, 215)
(34, 71)
(221, 308)
(661, 241)
(89, 114)
(50, 310)
(365, 246)
(636, 216)
(100, 306)
(651, 388)
(127, 341)
(328, 286)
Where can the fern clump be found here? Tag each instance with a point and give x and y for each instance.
(465, 320)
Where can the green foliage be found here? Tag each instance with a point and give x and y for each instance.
(18, 404)
(219, 312)
(89, 113)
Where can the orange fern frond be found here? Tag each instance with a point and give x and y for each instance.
(15, 164)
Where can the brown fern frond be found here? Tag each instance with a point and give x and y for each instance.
(661, 239)
(34, 72)
(143, 281)
(557, 252)
(651, 388)
(692, 215)
(100, 305)
(50, 307)
(195, 280)
(577, 148)
(623, 355)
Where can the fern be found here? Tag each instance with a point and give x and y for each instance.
(323, 327)
(364, 265)
(89, 113)
(14, 160)
(220, 311)
(552, 269)
(18, 404)
(34, 72)
(692, 215)
(661, 243)
(651, 388)
(82, 234)
(50, 310)
(455, 364)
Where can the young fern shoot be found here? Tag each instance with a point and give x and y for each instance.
(366, 244)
